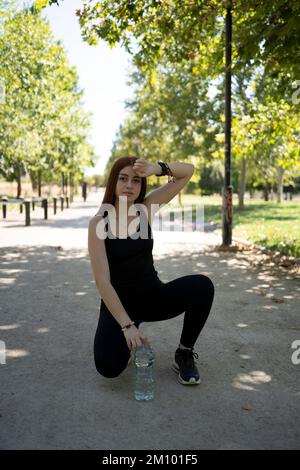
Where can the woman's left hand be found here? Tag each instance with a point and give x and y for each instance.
(144, 168)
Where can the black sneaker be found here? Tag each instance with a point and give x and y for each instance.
(184, 365)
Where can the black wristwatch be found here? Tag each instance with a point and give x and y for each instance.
(163, 167)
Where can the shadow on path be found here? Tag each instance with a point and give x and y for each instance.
(53, 398)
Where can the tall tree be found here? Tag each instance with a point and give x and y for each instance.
(42, 99)
(178, 30)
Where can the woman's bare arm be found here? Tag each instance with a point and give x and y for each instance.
(100, 268)
(164, 194)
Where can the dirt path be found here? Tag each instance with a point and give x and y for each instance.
(51, 394)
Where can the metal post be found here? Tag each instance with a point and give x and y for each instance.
(27, 212)
(84, 190)
(62, 202)
(54, 204)
(45, 206)
(4, 201)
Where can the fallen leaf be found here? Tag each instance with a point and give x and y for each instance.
(247, 407)
(278, 300)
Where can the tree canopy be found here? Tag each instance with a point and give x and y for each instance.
(42, 122)
(264, 32)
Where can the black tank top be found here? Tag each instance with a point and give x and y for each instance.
(131, 262)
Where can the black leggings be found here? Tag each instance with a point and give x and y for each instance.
(191, 294)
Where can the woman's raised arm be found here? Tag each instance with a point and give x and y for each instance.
(162, 195)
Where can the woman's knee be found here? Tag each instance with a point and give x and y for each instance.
(109, 372)
(206, 284)
(210, 285)
(110, 368)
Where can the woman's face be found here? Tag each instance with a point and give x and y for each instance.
(129, 184)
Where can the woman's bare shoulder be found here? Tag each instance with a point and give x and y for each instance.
(96, 233)
(96, 218)
(95, 222)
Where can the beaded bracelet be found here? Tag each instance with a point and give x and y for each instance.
(166, 170)
(127, 326)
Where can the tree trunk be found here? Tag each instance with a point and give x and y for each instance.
(251, 192)
(62, 183)
(242, 185)
(280, 171)
(19, 190)
(266, 192)
(71, 187)
(40, 182)
(33, 179)
(179, 198)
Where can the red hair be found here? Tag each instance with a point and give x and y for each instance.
(110, 192)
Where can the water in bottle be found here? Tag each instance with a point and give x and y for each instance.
(144, 379)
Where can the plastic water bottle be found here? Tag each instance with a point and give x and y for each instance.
(144, 380)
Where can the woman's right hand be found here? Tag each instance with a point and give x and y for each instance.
(134, 338)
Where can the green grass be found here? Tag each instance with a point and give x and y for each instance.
(272, 225)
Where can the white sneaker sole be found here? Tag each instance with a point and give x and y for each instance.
(192, 380)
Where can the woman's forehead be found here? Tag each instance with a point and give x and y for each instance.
(128, 170)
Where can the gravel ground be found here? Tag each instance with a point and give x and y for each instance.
(51, 394)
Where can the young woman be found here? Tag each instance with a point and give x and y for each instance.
(122, 264)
